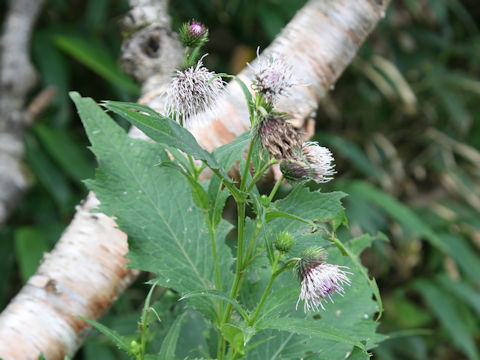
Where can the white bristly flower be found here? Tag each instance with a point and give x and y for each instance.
(315, 162)
(319, 279)
(272, 76)
(320, 160)
(320, 282)
(192, 91)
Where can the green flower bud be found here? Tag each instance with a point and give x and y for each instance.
(134, 346)
(284, 242)
(264, 200)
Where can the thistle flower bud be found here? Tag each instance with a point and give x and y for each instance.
(284, 242)
(319, 280)
(272, 77)
(315, 162)
(193, 34)
(278, 136)
(191, 91)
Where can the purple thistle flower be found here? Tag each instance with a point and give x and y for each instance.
(193, 34)
(196, 29)
(319, 280)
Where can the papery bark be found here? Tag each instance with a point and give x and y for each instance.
(17, 77)
(319, 42)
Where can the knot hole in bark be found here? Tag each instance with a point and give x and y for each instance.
(151, 45)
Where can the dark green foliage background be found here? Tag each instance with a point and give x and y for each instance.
(411, 168)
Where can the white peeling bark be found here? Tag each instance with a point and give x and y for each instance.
(85, 271)
(320, 42)
(17, 77)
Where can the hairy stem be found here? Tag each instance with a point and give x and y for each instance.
(275, 188)
(195, 172)
(251, 321)
(260, 173)
(251, 245)
(239, 265)
(247, 166)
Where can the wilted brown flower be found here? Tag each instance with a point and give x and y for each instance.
(278, 136)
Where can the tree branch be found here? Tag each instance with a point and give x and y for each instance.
(17, 77)
(85, 272)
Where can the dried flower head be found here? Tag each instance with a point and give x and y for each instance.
(191, 91)
(273, 76)
(319, 279)
(278, 136)
(315, 162)
(193, 34)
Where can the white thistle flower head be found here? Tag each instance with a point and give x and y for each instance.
(192, 91)
(315, 162)
(320, 281)
(273, 76)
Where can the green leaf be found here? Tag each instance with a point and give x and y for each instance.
(161, 129)
(30, 245)
(233, 151)
(350, 151)
(66, 152)
(463, 291)
(169, 344)
(371, 282)
(275, 214)
(93, 56)
(399, 212)
(154, 206)
(94, 349)
(315, 206)
(218, 295)
(218, 197)
(359, 354)
(462, 252)
(47, 173)
(146, 305)
(168, 132)
(246, 93)
(199, 194)
(350, 317)
(304, 327)
(301, 205)
(234, 335)
(446, 309)
(118, 340)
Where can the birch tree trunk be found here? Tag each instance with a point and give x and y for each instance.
(17, 78)
(86, 270)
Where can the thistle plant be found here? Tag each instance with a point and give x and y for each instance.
(246, 291)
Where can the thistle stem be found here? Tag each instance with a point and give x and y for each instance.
(239, 266)
(275, 188)
(243, 182)
(251, 245)
(251, 321)
(260, 173)
(218, 279)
